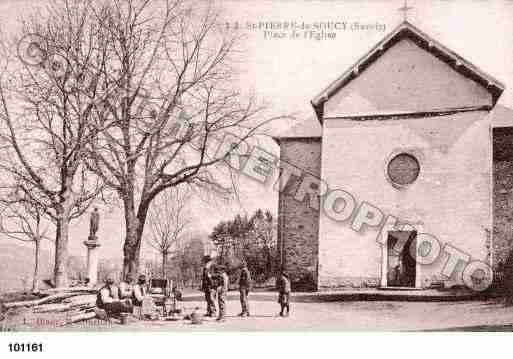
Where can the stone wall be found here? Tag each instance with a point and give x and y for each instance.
(298, 225)
(502, 193)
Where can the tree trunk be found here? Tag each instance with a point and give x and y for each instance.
(66, 203)
(134, 225)
(269, 269)
(35, 279)
(61, 252)
(131, 255)
(164, 264)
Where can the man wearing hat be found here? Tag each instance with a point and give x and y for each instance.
(139, 291)
(108, 299)
(244, 288)
(222, 290)
(2, 311)
(144, 304)
(126, 287)
(208, 286)
(283, 286)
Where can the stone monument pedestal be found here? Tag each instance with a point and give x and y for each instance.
(92, 259)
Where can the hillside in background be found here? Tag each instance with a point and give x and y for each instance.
(17, 266)
(17, 262)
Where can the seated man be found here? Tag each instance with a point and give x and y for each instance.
(126, 288)
(108, 299)
(142, 301)
(139, 291)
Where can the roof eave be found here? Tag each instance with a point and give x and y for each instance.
(494, 86)
(278, 139)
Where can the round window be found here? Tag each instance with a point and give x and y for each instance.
(403, 169)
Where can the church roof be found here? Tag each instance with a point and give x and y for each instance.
(309, 128)
(407, 30)
(500, 116)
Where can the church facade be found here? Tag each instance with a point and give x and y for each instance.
(397, 181)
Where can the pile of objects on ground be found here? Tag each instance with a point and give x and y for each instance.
(59, 307)
(52, 308)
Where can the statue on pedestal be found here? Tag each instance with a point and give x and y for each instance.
(94, 223)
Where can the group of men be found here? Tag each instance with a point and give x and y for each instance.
(123, 298)
(215, 283)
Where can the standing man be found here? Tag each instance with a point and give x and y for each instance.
(2, 310)
(222, 291)
(208, 287)
(283, 286)
(244, 288)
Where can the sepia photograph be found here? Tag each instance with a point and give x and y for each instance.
(255, 166)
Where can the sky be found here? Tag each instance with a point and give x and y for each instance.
(287, 72)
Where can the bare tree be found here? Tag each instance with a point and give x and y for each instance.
(187, 261)
(49, 114)
(168, 221)
(264, 225)
(24, 220)
(173, 105)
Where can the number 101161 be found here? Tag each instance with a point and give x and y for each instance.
(25, 347)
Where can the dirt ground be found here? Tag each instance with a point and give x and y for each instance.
(338, 316)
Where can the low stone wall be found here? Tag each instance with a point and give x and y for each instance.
(502, 194)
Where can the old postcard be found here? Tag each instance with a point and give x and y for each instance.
(184, 166)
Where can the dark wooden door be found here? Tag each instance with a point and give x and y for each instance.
(401, 269)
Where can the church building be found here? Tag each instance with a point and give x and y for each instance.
(409, 142)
